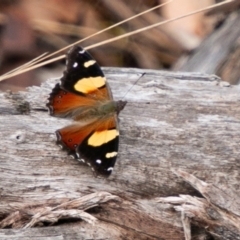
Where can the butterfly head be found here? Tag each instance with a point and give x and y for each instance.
(120, 106)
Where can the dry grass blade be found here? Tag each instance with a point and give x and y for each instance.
(114, 38)
(57, 25)
(156, 25)
(112, 26)
(28, 64)
(63, 29)
(31, 68)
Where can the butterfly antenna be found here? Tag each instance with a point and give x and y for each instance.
(133, 85)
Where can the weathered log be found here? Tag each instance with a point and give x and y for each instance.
(173, 121)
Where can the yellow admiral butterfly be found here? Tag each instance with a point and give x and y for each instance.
(85, 96)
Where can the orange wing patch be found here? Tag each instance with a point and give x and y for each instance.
(61, 102)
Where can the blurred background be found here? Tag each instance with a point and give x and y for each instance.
(30, 28)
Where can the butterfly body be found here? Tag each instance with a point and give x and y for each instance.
(84, 96)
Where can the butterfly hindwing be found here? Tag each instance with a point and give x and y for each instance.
(95, 144)
(84, 95)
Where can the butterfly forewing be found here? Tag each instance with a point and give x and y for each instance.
(98, 144)
(84, 76)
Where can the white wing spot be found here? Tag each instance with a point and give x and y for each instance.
(81, 160)
(89, 164)
(81, 52)
(111, 155)
(75, 64)
(89, 63)
(109, 169)
(98, 161)
(78, 156)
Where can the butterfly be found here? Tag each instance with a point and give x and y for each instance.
(84, 95)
